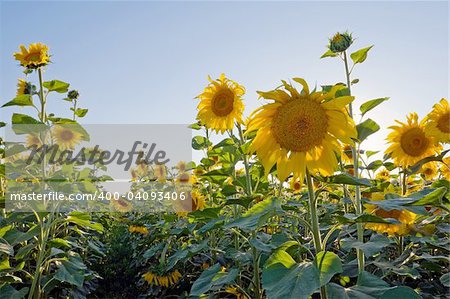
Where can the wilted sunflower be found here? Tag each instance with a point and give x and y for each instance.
(35, 56)
(23, 87)
(438, 122)
(405, 217)
(165, 280)
(221, 104)
(300, 131)
(121, 205)
(429, 171)
(138, 229)
(408, 142)
(65, 137)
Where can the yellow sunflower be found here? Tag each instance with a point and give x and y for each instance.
(165, 280)
(138, 229)
(32, 140)
(198, 200)
(295, 185)
(65, 137)
(221, 104)
(406, 218)
(160, 173)
(236, 292)
(346, 155)
(438, 122)
(301, 130)
(429, 171)
(408, 142)
(445, 168)
(383, 174)
(23, 87)
(121, 205)
(35, 56)
(181, 166)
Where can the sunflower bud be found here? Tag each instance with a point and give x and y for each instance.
(340, 42)
(73, 94)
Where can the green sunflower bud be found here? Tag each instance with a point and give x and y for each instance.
(73, 94)
(340, 42)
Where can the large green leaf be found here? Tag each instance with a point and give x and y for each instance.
(212, 279)
(71, 271)
(400, 292)
(360, 55)
(22, 100)
(329, 264)
(369, 105)
(368, 287)
(258, 215)
(345, 178)
(84, 221)
(366, 128)
(283, 278)
(56, 85)
(9, 292)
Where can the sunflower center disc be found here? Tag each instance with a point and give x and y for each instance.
(66, 135)
(444, 123)
(414, 142)
(33, 57)
(222, 102)
(300, 125)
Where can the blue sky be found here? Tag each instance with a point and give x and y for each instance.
(144, 62)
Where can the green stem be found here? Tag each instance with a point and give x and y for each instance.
(355, 154)
(43, 116)
(315, 223)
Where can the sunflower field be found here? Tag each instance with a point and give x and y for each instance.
(287, 201)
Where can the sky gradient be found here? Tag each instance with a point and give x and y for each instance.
(144, 62)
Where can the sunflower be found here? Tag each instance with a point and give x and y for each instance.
(429, 170)
(405, 217)
(438, 122)
(383, 174)
(198, 200)
(121, 205)
(181, 166)
(138, 229)
(165, 280)
(35, 56)
(444, 169)
(346, 155)
(160, 173)
(301, 131)
(409, 143)
(186, 178)
(236, 292)
(221, 104)
(295, 185)
(23, 88)
(65, 137)
(33, 140)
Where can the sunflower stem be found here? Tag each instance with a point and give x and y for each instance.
(41, 96)
(355, 154)
(317, 239)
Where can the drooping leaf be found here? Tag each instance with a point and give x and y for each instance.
(212, 279)
(200, 142)
(345, 178)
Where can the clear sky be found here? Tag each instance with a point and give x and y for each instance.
(144, 62)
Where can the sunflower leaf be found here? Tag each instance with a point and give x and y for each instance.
(366, 128)
(56, 85)
(369, 105)
(360, 55)
(22, 100)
